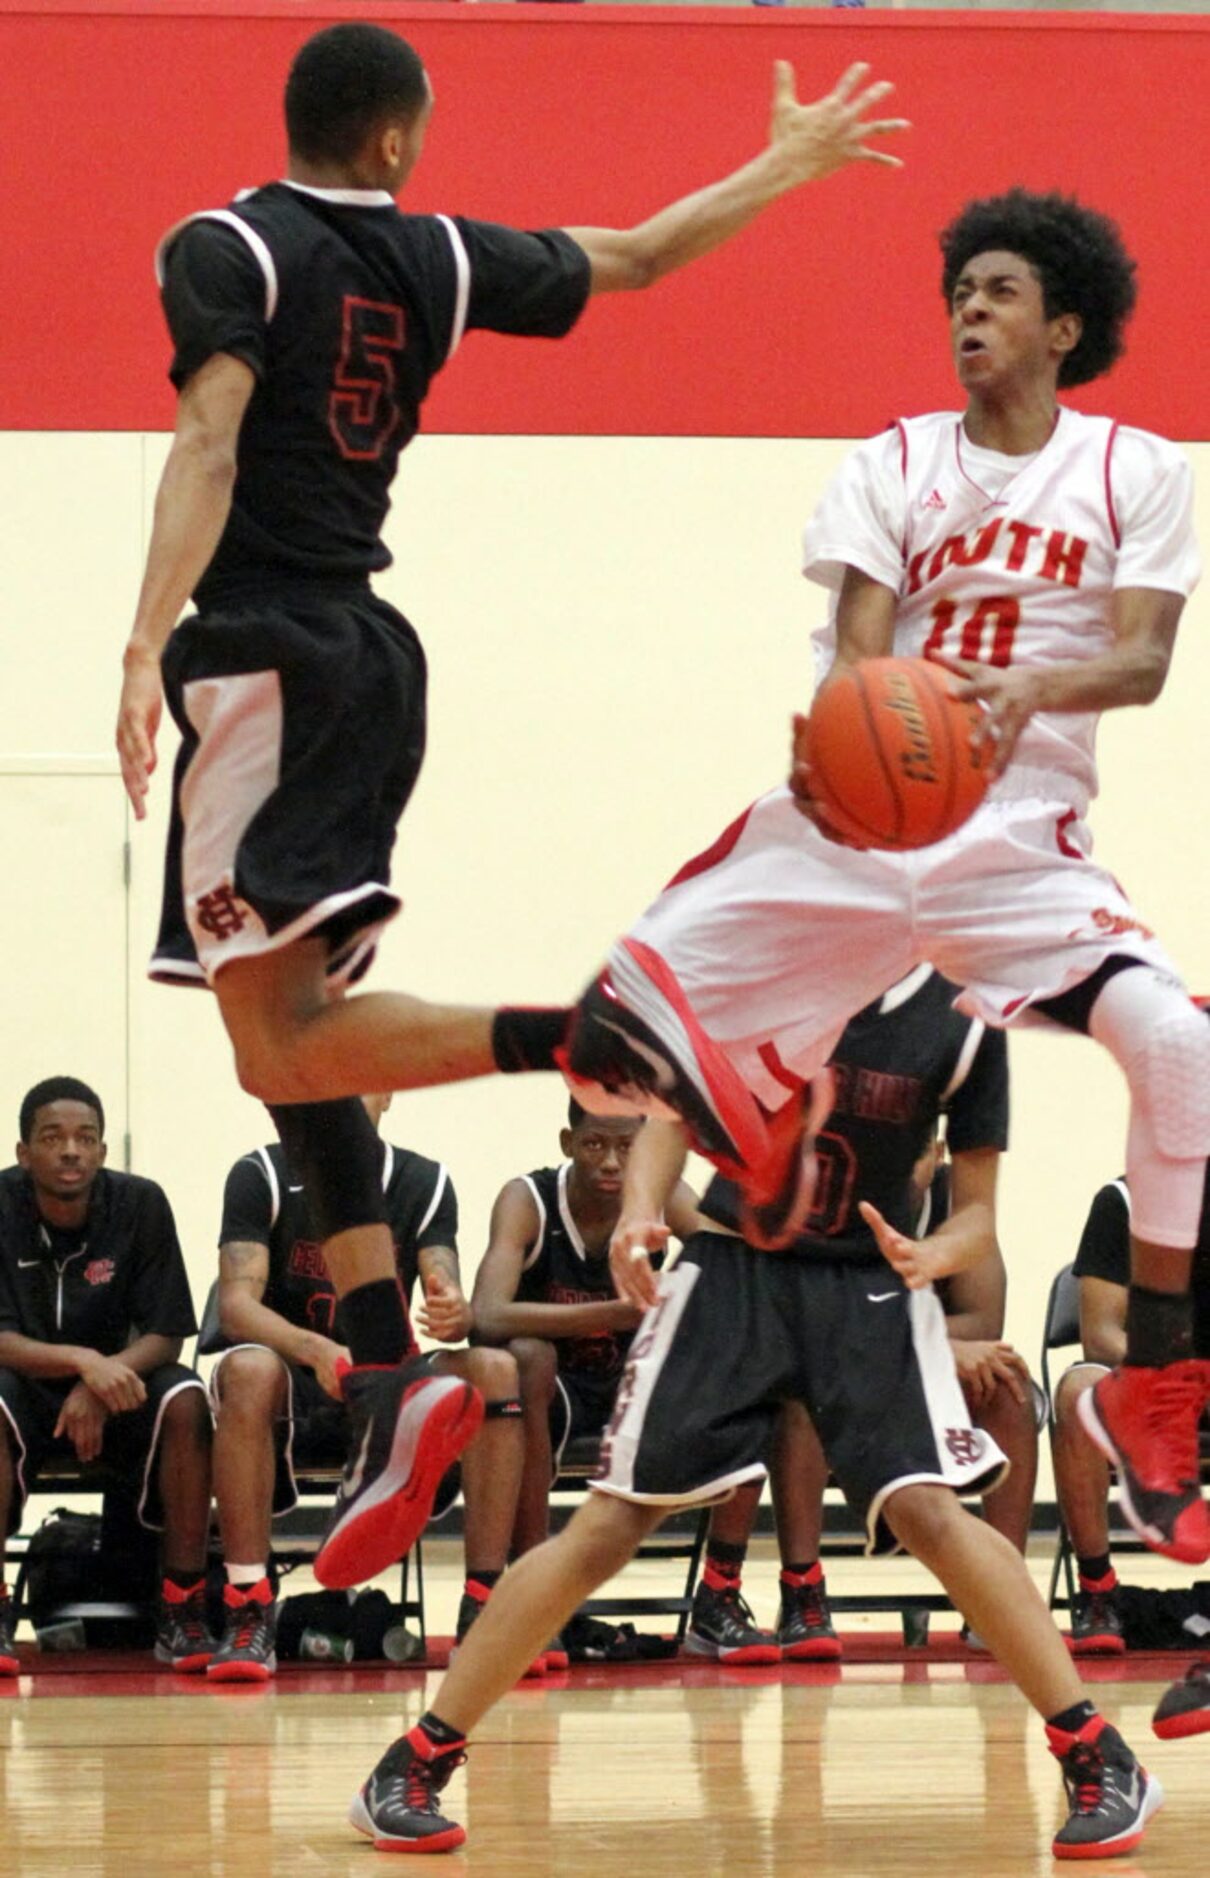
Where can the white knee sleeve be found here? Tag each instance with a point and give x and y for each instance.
(1162, 1041)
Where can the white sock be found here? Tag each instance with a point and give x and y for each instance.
(243, 1577)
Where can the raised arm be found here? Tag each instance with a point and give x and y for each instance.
(806, 142)
(653, 1169)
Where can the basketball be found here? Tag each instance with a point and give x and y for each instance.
(892, 754)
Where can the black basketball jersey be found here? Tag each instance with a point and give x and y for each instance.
(559, 1269)
(901, 1063)
(263, 1204)
(344, 309)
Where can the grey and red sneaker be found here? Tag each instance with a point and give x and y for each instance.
(182, 1632)
(248, 1651)
(1184, 1709)
(397, 1806)
(805, 1629)
(721, 1625)
(1145, 1421)
(1110, 1795)
(1096, 1621)
(407, 1426)
(9, 1666)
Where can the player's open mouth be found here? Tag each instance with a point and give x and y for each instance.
(969, 347)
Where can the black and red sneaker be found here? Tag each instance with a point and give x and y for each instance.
(1185, 1708)
(1096, 1620)
(636, 1046)
(407, 1425)
(397, 1807)
(1145, 1421)
(722, 1625)
(182, 1632)
(248, 1651)
(9, 1666)
(1110, 1795)
(805, 1629)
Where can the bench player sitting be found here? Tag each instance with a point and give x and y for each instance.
(277, 1391)
(545, 1290)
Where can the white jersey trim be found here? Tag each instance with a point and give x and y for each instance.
(572, 1230)
(974, 1037)
(906, 988)
(257, 243)
(462, 299)
(439, 1186)
(535, 1250)
(265, 1162)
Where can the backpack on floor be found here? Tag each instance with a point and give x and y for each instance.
(79, 1590)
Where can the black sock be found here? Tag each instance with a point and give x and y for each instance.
(489, 1580)
(1093, 1569)
(1159, 1327)
(727, 1552)
(440, 1733)
(527, 1039)
(799, 1571)
(1071, 1720)
(185, 1581)
(375, 1323)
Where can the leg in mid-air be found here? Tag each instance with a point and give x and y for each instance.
(1145, 1416)
(407, 1424)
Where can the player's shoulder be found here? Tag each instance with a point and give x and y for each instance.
(405, 1168)
(1144, 450)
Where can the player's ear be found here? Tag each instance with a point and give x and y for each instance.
(565, 1143)
(22, 1153)
(1066, 333)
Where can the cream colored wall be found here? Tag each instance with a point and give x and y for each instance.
(617, 635)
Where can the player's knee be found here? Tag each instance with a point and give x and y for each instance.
(1073, 1383)
(493, 1372)
(1162, 1041)
(250, 1385)
(923, 1517)
(537, 1365)
(187, 1417)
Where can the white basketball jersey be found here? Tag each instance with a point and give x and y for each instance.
(1009, 560)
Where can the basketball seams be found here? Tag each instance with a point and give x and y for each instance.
(834, 803)
(891, 750)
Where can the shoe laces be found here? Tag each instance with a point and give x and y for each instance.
(191, 1618)
(418, 1782)
(1084, 1765)
(243, 1622)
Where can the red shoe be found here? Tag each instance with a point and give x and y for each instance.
(1146, 1422)
(407, 1425)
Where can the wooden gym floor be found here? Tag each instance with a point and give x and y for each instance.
(885, 1769)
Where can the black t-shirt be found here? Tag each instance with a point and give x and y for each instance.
(560, 1268)
(900, 1064)
(1104, 1252)
(344, 309)
(263, 1204)
(118, 1277)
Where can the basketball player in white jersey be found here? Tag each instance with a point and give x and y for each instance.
(1046, 556)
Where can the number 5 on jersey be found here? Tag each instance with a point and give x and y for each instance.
(362, 411)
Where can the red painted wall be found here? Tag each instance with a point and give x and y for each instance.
(824, 320)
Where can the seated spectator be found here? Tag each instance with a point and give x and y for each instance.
(545, 1290)
(1082, 1483)
(900, 1064)
(94, 1310)
(276, 1393)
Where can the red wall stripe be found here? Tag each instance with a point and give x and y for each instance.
(824, 320)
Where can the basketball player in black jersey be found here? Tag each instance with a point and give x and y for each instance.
(276, 1389)
(308, 320)
(729, 1334)
(544, 1287)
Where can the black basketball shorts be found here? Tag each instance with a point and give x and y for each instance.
(130, 1446)
(302, 720)
(738, 1332)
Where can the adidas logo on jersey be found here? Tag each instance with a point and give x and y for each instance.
(934, 500)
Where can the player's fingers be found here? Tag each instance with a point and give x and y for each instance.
(783, 83)
(880, 156)
(849, 82)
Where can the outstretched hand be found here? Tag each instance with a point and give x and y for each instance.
(630, 1249)
(918, 1261)
(821, 137)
